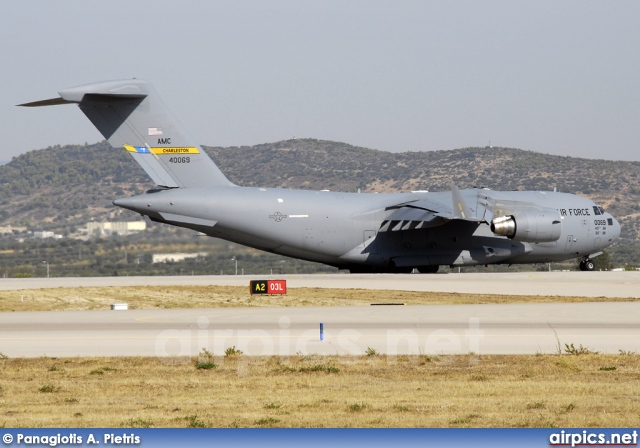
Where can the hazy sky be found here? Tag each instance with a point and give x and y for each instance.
(558, 77)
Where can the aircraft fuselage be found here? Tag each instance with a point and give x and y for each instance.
(343, 229)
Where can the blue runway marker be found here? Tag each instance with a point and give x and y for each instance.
(321, 331)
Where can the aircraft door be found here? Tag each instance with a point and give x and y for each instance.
(586, 228)
(371, 245)
(569, 243)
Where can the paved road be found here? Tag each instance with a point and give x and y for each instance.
(438, 329)
(586, 284)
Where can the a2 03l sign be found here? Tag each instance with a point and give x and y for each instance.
(268, 287)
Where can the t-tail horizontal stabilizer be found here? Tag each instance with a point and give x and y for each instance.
(130, 114)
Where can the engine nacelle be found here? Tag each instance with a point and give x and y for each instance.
(532, 227)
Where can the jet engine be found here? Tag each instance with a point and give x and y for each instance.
(531, 227)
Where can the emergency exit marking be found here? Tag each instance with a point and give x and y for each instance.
(268, 286)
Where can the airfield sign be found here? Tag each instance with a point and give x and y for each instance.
(268, 287)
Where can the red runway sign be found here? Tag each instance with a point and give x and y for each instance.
(268, 287)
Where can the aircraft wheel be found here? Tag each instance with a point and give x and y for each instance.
(430, 269)
(587, 265)
(393, 269)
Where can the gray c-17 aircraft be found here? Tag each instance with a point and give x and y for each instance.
(361, 232)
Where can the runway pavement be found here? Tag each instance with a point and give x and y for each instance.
(438, 329)
(585, 284)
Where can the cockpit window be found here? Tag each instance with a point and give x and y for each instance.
(601, 210)
(596, 210)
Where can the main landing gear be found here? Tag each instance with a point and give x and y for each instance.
(587, 265)
(430, 269)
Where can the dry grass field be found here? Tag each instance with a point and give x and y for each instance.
(160, 297)
(564, 390)
(369, 391)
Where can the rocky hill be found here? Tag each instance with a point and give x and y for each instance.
(60, 188)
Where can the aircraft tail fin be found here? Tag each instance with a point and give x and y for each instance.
(131, 114)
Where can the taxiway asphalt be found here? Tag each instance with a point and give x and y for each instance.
(438, 329)
(607, 327)
(584, 284)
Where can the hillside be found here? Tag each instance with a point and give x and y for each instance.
(60, 188)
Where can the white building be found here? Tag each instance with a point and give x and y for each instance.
(165, 258)
(46, 234)
(115, 228)
(11, 229)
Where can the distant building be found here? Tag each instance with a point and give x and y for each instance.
(11, 229)
(165, 258)
(46, 234)
(115, 228)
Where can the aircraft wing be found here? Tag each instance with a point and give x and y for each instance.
(418, 214)
(424, 213)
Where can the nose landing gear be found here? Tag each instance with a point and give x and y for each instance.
(587, 265)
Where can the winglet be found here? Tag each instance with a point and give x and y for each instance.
(461, 209)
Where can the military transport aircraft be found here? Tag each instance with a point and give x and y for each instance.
(361, 232)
